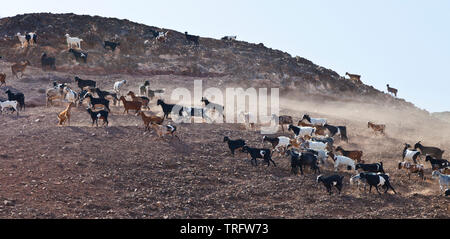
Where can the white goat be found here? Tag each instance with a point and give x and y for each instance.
(315, 121)
(342, 160)
(301, 132)
(22, 39)
(118, 85)
(316, 145)
(73, 41)
(9, 104)
(70, 95)
(444, 180)
(229, 38)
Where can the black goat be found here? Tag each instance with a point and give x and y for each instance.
(234, 144)
(103, 94)
(168, 108)
(374, 167)
(79, 55)
(298, 160)
(95, 115)
(330, 181)
(341, 130)
(111, 45)
(437, 163)
(447, 192)
(48, 62)
(84, 83)
(256, 153)
(376, 181)
(28, 37)
(97, 101)
(19, 96)
(192, 38)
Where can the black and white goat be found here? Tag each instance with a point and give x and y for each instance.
(437, 163)
(79, 55)
(256, 153)
(168, 108)
(410, 154)
(277, 142)
(330, 181)
(337, 130)
(377, 181)
(97, 101)
(374, 167)
(314, 121)
(18, 96)
(102, 114)
(234, 144)
(302, 131)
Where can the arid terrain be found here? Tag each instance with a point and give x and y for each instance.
(121, 171)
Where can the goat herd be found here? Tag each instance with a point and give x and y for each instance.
(312, 143)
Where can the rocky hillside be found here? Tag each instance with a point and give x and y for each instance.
(237, 62)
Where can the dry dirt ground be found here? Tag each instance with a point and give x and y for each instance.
(121, 171)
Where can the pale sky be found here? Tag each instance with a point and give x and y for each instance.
(404, 43)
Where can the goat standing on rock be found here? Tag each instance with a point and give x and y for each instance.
(392, 90)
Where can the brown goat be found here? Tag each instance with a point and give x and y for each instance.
(19, 67)
(412, 168)
(2, 79)
(376, 127)
(284, 119)
(150, 120)
(130, 105)
(65, 115)
(354, 77)
(355, 154)
(144, 100)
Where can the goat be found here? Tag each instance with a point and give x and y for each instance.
(256, 153)
(337, 130)
(447, 192)
(150, 120)
(314, 121)
(162, 130)
(278, 142)
(316, 145)
(373, 168)
(283, 119)
(118, 86)
(410, 154)
(392, 90)
(144, 100)
(84, 83)
(79, 55)
(298, 160)
(330, 181)
(321, 155)
(168, 108)
(320, 130)
(437, 163)
(53, 94)
(444, 180)
(22, 39)
(162, 36)
(104, 94)
(355, 154)
(234, 144)
(377, 180)
(9, 104)
(377, 127)
(102, 114)
(65, 115)
(412, 168)
(327, 140)
(31, 37)
(357, 178)
(143, 88)
(73, 41)
(97, 101)
(229, 38)
(2, 79)
(111, 45)
(130, 105)
(213, 106)
(301, 131)
(342, 160)
(249, 119)
(19, 96)
(196, 112)
(432, 151)
(48, 62)
(191, 38)
(70, 95)
(353, 77)
(19, 68)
